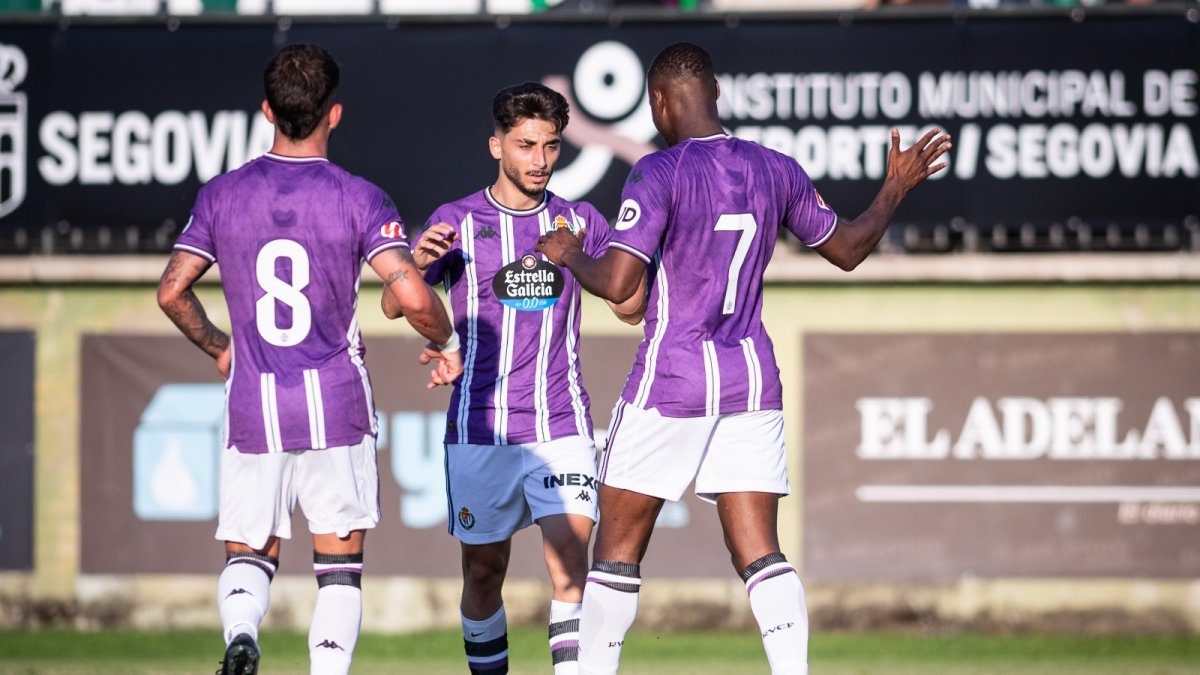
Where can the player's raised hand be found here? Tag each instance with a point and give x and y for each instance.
(447, 365)
(433, 244)
(559, 244)
(907, 168)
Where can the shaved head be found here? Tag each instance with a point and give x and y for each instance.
(679, 62)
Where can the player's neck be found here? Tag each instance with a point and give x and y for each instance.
(699, 129)
(508, 196)
(316, 145)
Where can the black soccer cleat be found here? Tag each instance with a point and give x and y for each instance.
(241, 657)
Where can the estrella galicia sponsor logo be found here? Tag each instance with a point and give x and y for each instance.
(466, 518)
(629, 214)
(528, 284)
(572, 479)
(13, 114)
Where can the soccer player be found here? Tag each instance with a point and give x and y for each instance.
(519, 446)
(703, 399)
(291, 231)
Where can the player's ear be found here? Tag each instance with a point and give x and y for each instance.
(494, 146)
(716, 89)
(267, 112)
(335, 115)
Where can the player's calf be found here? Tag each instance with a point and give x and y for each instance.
(610, 604)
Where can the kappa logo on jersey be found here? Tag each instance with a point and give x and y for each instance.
(466, 518)
(486, 232)
(629, 214)
(820, 202)
(528, 284)
(392, 230)
(13, 112)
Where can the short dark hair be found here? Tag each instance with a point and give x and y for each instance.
(301, 83)
(682, 60)
(529, 100)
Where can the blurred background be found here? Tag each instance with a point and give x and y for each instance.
(994, 423)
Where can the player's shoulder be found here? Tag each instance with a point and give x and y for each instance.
(459, 208)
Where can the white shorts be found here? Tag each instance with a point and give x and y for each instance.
(337, 488)
(494, 490)
(658, 456)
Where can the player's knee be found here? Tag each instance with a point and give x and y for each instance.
(341, 569)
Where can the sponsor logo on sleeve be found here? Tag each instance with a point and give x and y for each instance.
(392, 230)
(820, 202)
(629, 215)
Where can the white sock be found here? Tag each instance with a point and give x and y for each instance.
(564, 636)
(777, 600)
(610, 603)
(486, 643)
(337, 617)
(244, 593)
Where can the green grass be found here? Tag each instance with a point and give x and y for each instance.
(63, 652)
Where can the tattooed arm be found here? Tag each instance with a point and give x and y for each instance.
(406, 294)
(180, 304)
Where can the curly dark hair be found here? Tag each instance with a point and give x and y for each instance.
(529, 100)
(301, 83)
(682, 60)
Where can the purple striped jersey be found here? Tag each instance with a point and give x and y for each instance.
(704, 214)
(521, 381)
(290, 236)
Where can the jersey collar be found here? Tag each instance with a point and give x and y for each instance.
(487, 192)
(295, 160)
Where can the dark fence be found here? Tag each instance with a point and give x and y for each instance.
(1074, 130)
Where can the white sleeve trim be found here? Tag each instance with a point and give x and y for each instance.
(198, 251)
(825, 237)
(383, 247)
(629, 249)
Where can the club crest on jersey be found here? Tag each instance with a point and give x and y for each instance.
(466, 518)
(561, 223)
(528, 284)
(392, 230)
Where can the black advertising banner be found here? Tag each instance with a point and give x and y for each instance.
(16, 450)
(108, 130)
(937, 456)
(153, 409)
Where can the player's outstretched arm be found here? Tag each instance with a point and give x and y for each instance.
(435, 241)
(179, 302)
(616, 276)
(854, 240)
(405, 291)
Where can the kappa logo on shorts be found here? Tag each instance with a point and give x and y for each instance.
(466, 518)
(584, 496)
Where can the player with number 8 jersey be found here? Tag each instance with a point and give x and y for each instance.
(290, 263)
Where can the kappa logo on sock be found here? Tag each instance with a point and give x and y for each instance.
(776, 629)
(237, 591)
(329, 644)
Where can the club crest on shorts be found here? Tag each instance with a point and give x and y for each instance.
(466, 518)
(528, 284)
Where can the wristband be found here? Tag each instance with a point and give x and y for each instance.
(450, 345)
